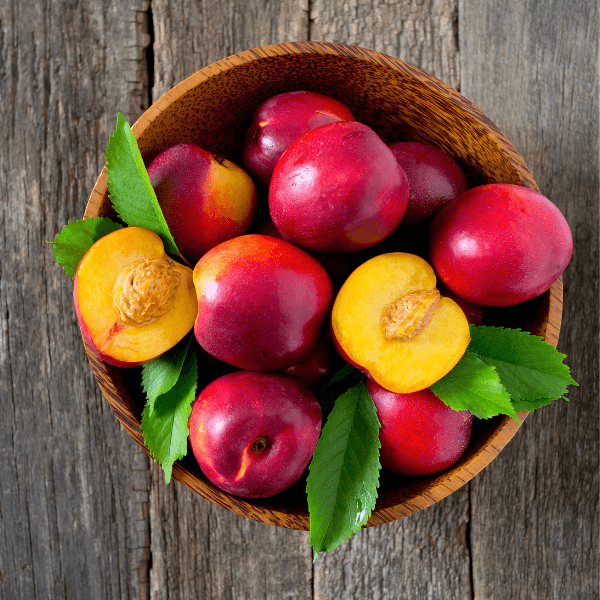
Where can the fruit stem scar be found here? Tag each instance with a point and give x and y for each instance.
(259, 445)
(410, 314)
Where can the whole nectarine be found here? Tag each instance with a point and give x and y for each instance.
(205, 198)
(337, 189)
(419, 434)
(500, 244)
(281, 120)
(253, 434)
(434, 180)
(262, 302)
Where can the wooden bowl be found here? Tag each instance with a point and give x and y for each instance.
(213, 108)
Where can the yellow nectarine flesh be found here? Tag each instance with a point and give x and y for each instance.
(390, 320)
(133, 302)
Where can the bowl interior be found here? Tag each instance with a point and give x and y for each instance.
(213, 108)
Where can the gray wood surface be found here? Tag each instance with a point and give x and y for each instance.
(83, 512)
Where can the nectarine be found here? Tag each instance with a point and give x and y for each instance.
(253, 434)
(132, 301)
(434, 180)
(500, 244)
(205, 198)
(281, 120)
(262, 302)
(337, 189)
(389, 320)
(419, 434)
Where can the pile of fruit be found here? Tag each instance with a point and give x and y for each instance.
(276, 298)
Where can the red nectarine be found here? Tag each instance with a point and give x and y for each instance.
(262, 302)
(500, 244)
(253, 434)
(205, 198)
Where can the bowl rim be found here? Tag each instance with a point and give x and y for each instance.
(445, 482)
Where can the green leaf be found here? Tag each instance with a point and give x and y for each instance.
(76, 238)
(529, 405)
(531, 370)
(130, 190)
(347, 377)
(474, 386)
(162, 373)
(344, 470)
(165, 422)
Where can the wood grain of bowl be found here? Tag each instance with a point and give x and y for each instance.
(213, 108)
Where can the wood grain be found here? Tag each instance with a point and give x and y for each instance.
(83, 512)
(238, 558)
(533, 70)
(424, 33)
(189, 35)
(73, 513)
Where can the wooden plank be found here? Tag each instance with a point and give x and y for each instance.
(200, 550)
(532, 68)
(190, 35)
(423, 34)
(73, 511)
(80, 507)
(427, 554)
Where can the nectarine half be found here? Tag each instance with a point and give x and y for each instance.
(132, 301)
(390, 320)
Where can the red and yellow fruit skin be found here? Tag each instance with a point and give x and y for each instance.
(500, 244)
(236, 410)
(338, 189)
(262, 302)
(118, 344)
(205, 199)
(419, 434)
(281, 120)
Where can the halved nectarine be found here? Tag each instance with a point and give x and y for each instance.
(132, 301)
(389, 320)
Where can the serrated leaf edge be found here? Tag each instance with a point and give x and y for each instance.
(480, 415)
(363, 394)
(124, 129)
(149, 409)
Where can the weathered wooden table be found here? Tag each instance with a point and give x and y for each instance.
(83, 512)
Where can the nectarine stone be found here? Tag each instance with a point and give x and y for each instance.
(132, 301)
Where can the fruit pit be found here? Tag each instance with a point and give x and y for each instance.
(145, 290)
(410, 314)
